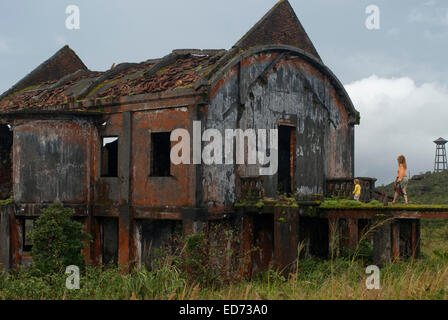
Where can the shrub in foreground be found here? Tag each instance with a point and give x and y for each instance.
(57, 240)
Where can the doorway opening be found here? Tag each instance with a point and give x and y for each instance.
(286, 147)
(109, 241)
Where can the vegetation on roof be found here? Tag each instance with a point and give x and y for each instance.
(335, 204)
(340, 204)
(15, 93)
(6, 201)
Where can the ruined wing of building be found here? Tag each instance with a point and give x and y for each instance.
(99, 142)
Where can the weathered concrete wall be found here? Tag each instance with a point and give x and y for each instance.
(51, 161)
(267, 88)
(219, 180)
(5, 212)
(147, 190)
(5, 162)
(108, 189)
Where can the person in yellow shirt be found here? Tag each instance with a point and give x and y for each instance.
(357, 191)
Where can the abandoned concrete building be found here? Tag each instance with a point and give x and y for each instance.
(99, 142)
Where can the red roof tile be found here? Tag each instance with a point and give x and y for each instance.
(150, 76)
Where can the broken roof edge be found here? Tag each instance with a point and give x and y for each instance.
(159, 64)
(38, 75)
(97, 106)
(234, 56)
(103, 76)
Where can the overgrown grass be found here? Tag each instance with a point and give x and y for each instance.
(314, 279)
(335, 278)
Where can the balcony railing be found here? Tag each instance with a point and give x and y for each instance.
(251, 189)
(343, 188)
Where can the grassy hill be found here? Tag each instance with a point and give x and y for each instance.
(430, 188)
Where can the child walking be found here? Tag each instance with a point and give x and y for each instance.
(357, 191)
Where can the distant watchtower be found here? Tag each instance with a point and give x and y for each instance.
(440, 158)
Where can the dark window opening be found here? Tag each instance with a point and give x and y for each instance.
(159, 238)
(5, 162)
(160, 154)
(285, 158)
(28, 225)
(109, 157)
(109, 240)
(313, 234)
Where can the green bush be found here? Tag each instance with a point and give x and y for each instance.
(195, 262)
(57, 241)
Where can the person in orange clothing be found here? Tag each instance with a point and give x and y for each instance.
(357, 191)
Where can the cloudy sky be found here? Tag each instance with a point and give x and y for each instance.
(397, 76)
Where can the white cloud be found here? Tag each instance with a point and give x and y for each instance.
(360, 64)
(397, 117)
(429, 14)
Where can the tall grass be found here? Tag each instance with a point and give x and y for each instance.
(335, 278)
(419, 279)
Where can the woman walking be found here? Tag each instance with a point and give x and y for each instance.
(401, 181)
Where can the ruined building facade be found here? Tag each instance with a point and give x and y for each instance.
(100, 141)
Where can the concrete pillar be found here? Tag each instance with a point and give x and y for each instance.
(96, 252)
(86, 252)
(247, 232)
(125, 218)
(353, 233)
(395, 229)
(16, 241)
(415, 238)
(286, 237)
(5, 237)
(124, 236)
(382, 244)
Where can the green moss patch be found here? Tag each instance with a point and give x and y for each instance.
(6, 202)
(344, 204)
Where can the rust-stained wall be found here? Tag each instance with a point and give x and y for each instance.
(51, 161)
(268, 87)
(147, 190)
(60, 159)
(108, 190)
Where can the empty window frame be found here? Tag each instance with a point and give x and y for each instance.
(109, 157)
(160, 154)
(28, 225)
